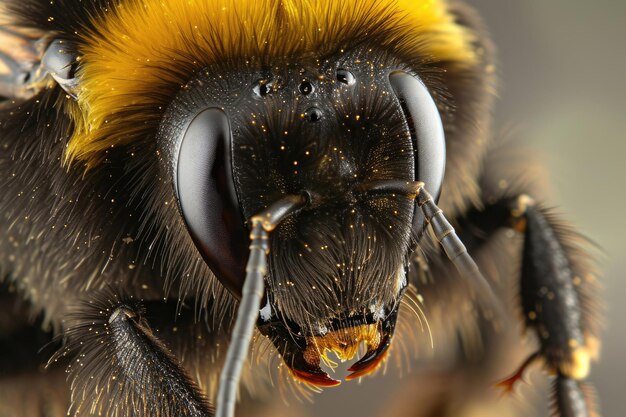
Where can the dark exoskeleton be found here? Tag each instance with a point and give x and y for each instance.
(308, 185)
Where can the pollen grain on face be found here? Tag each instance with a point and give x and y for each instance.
(344, 343)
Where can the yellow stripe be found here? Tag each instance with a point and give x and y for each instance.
(122, 57)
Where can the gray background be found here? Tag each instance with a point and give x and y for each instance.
(562, 69)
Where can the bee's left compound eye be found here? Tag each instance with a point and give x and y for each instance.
(60, 60)
(201, 155)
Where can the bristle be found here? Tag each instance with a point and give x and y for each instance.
(591, 398)
(411, 307)
(292, 388)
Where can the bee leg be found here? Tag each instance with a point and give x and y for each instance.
(119, 364)
(557, 289)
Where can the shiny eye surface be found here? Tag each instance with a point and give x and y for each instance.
(306, 87)
(60, 60)
(262, 88)
(314, 114)
(345, 77)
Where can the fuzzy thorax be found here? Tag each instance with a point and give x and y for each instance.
(142, 52)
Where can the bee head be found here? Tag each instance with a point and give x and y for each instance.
(242, 136)
(240, 103)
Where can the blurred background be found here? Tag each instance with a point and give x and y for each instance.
(562, 65)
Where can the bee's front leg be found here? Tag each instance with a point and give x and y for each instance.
(121, 368)
(557, 288)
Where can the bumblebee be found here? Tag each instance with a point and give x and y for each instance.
(170, 165)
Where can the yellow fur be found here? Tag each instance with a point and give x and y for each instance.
(122, 57)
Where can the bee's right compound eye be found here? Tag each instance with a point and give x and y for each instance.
(426, 129)
(427, 133)
(60, 60)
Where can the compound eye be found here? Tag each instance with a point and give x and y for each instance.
(345, 77)
(262, 88)
(205, 189)
(60, 60)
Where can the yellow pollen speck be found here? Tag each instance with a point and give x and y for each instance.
(579, 364)
(343, 342)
